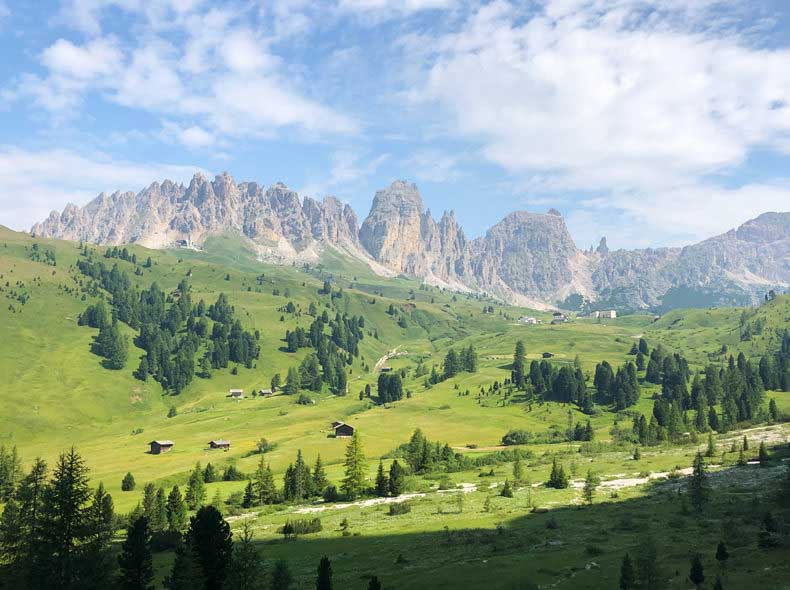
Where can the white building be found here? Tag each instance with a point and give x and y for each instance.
(527, 320)
(608, 313)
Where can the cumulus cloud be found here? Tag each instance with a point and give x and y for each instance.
(627, 97)
(32, 183)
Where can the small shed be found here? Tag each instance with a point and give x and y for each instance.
(265, 392)
(219, 444)
(161, 446)
(342, 429)
(236, 393)
(386, 369)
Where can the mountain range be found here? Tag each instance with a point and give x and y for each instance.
(526, 258)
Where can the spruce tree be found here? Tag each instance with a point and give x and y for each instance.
(186, 573)
(248, 500)
(699, 489)
(722, 555)
(627, 574)
(762, 454)
(591, 483)
(247, 565)
(319, 477)
(323, 580)
(518, 470)
(382, 482)
(176, 511)
(263, 483)
(518, 374)
(354, 480)
(196, 489)
(397, 479)
(696, 573)
(135, 561)
(210, 538)
(127, 484)
(64, 520)
(711, 450)
(374, 583)
(282, 579)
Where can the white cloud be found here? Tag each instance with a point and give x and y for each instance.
(201, 69)
(32, 183)
(433, 166)
(347, 168)
(625, 97)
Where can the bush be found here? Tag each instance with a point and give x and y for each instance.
(127, 484)
(331, 494)
(232, 473)
(516, 437)
(304, 400)
(264, 446)
(303, 526)
(399, 508)
(547, 355)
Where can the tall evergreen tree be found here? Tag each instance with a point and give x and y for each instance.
(696, 574)
(196, 489)
(699, 489)
(324, 579)
(397, 477)
(247, 565)
(64, 520)
(176, 511)
(135, 561)
(382, 482)
(319, 476)
(518, 374)
(210, 538)
(354, 480)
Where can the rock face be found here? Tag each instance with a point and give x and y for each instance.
(528, 258)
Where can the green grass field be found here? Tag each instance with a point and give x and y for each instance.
(56, 394)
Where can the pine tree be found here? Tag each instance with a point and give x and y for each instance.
(627, 574)
(30, 555)
(518, 470)
(248, 500)
(292, 382)
(397, 479)
(711, 450)
(518, 374)
(263, 482)
(354, 480)
(696, 574)
(382, 482)
(591, 483)
(196, 489)
(507, 491)
(209, 537)
(281, 576)
(557, 479)
(699, 489)
(319, 477)
(324, 579)
(176, 511)
(374, 583)
(247, 565)
(135, 561)
(64, 520)
(762, 454)
(722, 555)
(741, 459)
(186, 573)
(127, 484)
(637, 454)
(11, 546)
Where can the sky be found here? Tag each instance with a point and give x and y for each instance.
(652, 122)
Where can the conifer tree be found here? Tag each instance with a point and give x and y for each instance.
(699, 489)
(281, 576)
(135, 561)
(319, 477)
(176, 511)
(248, 500)
(324, 579)
(762, 454)
(696, 573)
(374, 583)
(382, 482)
(518, 374)
(354, 480)
(263, 483)
(591, 483)
(397, 483)
(722, 555)
(196, 489)
(127, 484)
(246, 565)
(507, 490)
(209, 537)
(627, 574)
(186, 573)
(518, 470)
(557, 479)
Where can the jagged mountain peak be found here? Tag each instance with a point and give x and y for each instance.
(526, 257)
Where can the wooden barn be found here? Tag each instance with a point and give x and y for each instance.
(342, 429)
(219, 444)
(236, 393)
(161, 446)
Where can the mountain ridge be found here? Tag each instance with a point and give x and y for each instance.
(527, 257)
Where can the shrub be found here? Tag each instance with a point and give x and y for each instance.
(302, 526)
(232, 473)
(304, 400)
(399, 508)
(516, 437)
(264, 446)
(127, 484)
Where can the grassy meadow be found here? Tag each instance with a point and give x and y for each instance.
(56, 394)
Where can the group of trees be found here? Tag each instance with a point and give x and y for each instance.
(620, 390)
(335, 343)
(300, 483)
(455, 363)
(55, 531)
(171, 329)
(390, 388)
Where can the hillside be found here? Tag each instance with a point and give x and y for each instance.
(57, 393)
(527, 258)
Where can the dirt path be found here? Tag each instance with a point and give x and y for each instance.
(380, 363)
(629, 482)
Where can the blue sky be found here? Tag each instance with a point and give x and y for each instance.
(653, 122)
